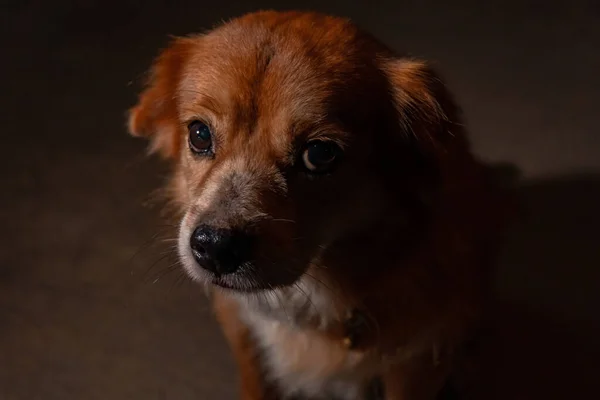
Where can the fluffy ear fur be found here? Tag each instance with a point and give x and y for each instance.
(432, 119)
(155, 116)
(426, 109)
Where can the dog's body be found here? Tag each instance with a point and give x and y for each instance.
(329, 200)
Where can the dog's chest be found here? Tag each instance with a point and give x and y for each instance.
(306, 363)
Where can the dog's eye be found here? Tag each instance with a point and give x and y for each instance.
(200, 138)
(320, 156)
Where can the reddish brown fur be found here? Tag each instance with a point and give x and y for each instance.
(419, 270)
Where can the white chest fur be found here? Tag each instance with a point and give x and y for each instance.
(304, 362)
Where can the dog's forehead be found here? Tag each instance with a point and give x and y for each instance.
(270, 83)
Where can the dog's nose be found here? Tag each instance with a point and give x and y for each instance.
(221, 251)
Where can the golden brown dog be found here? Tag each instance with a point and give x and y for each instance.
(330, 201)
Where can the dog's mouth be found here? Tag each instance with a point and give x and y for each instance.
(254, 277)
(238, 284)
(249, 277)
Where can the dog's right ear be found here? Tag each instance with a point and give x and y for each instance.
(426, 108)
(155, 116)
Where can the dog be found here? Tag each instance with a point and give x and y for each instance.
(329, 201)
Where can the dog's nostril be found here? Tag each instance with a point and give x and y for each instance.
(220, 251)
(199, 249)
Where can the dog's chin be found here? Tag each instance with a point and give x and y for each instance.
(235, 282)
(238, 283)
(301, 299)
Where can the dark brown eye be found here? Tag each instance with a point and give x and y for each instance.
(320, 156)
(200, 137)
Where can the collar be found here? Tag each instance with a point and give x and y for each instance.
(358, 329)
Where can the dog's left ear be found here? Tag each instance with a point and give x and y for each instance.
(155, 116)
(427, 113)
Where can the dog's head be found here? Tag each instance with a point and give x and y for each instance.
(291, 133)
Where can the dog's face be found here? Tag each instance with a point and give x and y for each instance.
(289, 133)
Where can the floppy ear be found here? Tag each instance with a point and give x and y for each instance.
(155, 116)
(426, 109)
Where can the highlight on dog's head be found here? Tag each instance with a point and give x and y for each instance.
(289, 134)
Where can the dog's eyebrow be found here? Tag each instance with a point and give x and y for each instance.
(204, 98)
(319, 130)
(201, 101)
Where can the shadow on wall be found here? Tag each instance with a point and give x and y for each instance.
(545, 344)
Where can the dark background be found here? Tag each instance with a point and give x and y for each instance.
(89, 306)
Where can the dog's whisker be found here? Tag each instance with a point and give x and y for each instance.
(315, 279)
(282, 220)
(297, 286)
(303, 265)
(181, 279)
(155, 263)
(143, 246)
(164, 272)
(281, 303)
